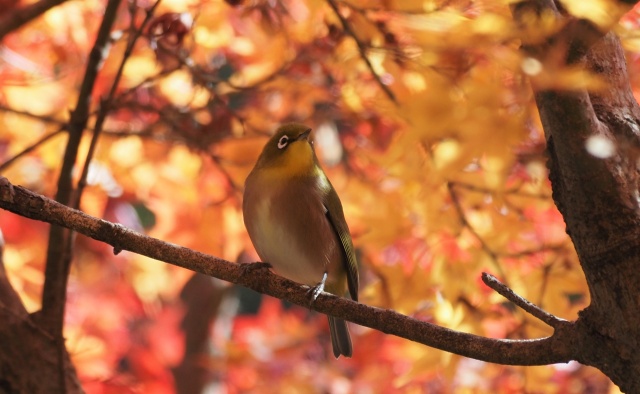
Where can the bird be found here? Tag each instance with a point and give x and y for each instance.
(296, 223)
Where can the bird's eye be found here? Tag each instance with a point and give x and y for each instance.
(283, 141)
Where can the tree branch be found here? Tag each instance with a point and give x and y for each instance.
(145, 133)
(554, 349)
(107, 102)
(42, 118)
(30, 148)
(59, 248)
(17, 18)
(361, 48)
(463, 219)
(514, 191)
(528, 306)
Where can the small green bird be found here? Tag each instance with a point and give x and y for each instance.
(295, 221)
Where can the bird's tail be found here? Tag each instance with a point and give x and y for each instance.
(340, 338)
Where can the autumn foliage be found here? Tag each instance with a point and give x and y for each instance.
(425, 122)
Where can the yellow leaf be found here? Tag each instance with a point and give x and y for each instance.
(138, 68)
(51, 95)
(603, 13)
(178, 88)
(127, 152)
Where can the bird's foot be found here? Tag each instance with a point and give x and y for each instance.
(249, 268)
(318, 289)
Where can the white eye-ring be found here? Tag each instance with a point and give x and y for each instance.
(283, 141)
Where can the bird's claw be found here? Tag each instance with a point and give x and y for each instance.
(315, 291)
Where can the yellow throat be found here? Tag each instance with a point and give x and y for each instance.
(297, 160)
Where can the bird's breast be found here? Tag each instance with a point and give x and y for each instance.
(289, 229)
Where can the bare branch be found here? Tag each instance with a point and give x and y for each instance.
(540, 249)
(30, 148)
(362, 49)
(106, 103)
(43, 118)
(528, 306)
(19, 17)
(59, 248)
(513, 191)
(146, 133)
(554, 349)
(546, 270)
(463, 218)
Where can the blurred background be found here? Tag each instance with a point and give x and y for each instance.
(424, 121)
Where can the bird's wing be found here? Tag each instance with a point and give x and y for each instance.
(335, 215)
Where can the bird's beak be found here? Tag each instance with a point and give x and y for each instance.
(304, 136)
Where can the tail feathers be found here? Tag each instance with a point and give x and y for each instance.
(340, 338)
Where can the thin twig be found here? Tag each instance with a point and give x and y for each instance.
(43, 118)
(147, 81)
(529, 252)
(465, 223)
(362, 49)
(144, 133)
(546, 270)
(528, 306)
(105, 106)
(30, 148)
(387, 299)
(264, 80)
(514, 191)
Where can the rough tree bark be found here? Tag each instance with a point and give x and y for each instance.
(597, 197)
(28, 347)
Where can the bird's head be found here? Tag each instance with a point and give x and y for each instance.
(289, 151)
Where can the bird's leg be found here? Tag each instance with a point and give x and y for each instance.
(317, 289)
(248, 268)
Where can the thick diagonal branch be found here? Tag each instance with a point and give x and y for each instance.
(554, 349)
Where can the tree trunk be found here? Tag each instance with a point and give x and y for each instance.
(30, 358)
(598, 199)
